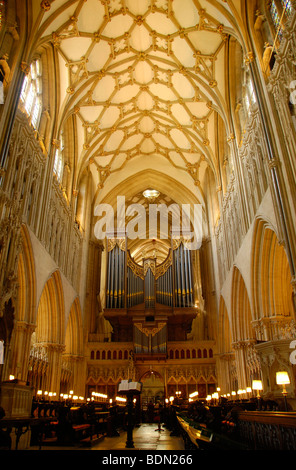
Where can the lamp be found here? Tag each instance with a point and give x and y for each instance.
(257, 385)
(151, 194)
(282, 378)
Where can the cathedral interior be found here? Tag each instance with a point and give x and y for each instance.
(115, 114)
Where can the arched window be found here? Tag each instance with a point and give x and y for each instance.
(249, 94)
(31, 94)
(2, 13)
(286, 4)
(280, 10)
(58, 168)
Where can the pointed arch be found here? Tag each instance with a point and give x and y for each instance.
(50, 313)
(241, 315)
(224, 332)
(271, 277)
(74, 337)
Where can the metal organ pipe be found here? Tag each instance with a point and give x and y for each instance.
(183, 277)
(115, 283)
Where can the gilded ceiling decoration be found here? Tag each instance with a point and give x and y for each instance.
(143, 78)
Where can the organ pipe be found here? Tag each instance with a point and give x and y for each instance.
(115, 294)
(183, 277)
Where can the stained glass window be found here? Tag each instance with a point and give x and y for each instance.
(277, 16)
(287, 4)
(58, 162)
(274, 14)
(2, 13)
(31, 93)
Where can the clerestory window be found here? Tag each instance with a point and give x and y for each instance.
(31, 94)
(280, 10)
(58, 168)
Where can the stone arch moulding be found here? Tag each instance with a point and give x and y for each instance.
(73, 334)
(148, 177)
(224, 333)
(44, 268)
(26, 271)
(241, 314)
(272, 293)
(50, 319)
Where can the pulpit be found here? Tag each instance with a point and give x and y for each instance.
(129, 390)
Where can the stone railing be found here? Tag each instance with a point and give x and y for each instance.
(188, 350)
(109, 351)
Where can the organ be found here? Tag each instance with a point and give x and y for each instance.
(152, 300)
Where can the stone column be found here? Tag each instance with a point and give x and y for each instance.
(21, 350)
(53, 377)
(78, 375)
(241, 364)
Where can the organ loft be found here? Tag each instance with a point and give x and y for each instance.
(147, 218)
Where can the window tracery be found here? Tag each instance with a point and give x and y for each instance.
(279, 11)
(31, 93)
(58, 168)
(2, 13)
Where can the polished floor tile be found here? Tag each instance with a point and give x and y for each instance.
(145, 437)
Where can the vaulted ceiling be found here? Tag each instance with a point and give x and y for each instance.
(144, 79)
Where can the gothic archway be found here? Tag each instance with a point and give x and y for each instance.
(271, 282)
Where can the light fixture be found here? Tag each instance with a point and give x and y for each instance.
(151, 194)
(120, 399)
(11, 377)
(257, 385)
(282, 378)
(193, 395)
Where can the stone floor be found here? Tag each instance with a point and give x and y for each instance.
(146, 437)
